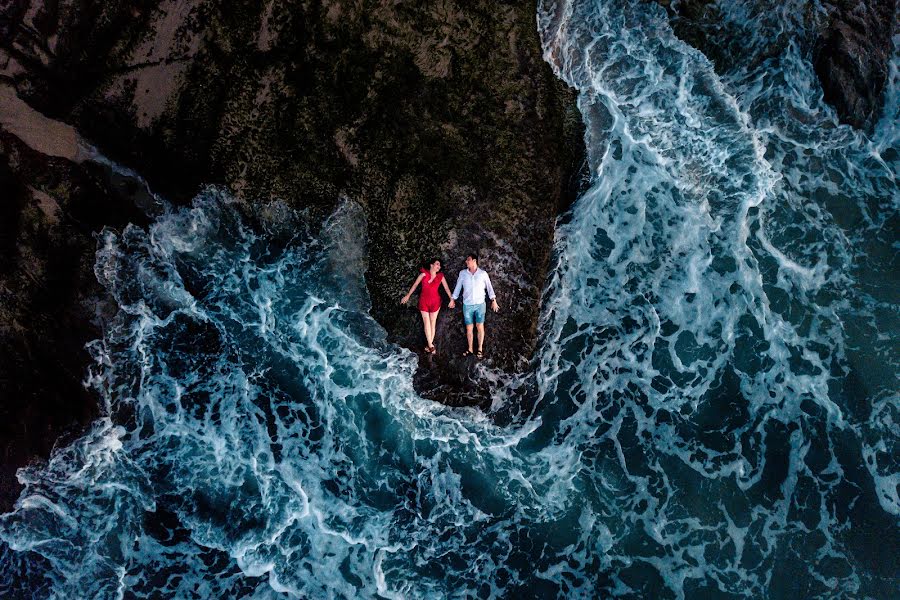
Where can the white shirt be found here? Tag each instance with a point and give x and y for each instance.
(473, 286)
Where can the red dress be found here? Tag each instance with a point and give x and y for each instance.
(430, 298)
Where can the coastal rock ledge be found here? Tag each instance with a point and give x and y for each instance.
(440, 119)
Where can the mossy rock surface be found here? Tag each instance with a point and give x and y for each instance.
(440, 118)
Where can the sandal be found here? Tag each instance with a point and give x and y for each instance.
(467, 353)
(431, 350)
(479, 354)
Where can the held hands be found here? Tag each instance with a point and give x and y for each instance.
(452, 303)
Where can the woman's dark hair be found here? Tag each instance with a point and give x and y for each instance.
(432, 261)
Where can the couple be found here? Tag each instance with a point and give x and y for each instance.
(473, 282)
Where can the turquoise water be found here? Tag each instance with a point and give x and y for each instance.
(712, 411)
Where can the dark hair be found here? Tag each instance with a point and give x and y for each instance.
(473, 256)
(432, 261)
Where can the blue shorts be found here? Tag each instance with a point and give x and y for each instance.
(474, 313)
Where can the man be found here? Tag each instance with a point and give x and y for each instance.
(474, 283)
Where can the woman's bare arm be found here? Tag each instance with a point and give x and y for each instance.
(412, 289)
(447, 288)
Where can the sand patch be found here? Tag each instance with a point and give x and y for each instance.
(266, 33)
(347, 150)
(154, 85)
(172, 37)
(160, 62)
(40, 133)
(48, 205)
(9, 66)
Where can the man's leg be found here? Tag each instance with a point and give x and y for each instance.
(468, 319)
(478, 317)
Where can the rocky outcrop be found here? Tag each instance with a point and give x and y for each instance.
(49, 297)
(852, 56)
(440, 118)
(850, 53)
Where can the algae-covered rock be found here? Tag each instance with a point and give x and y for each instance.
(439, 118)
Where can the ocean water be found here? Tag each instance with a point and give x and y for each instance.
(712, 412)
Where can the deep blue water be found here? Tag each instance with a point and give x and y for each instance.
(713, 410)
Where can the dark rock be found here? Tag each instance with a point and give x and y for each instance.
(852, 56)
(442, 120)
(850, 51)
(49, 298)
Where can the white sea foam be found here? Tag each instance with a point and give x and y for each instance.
(715, 385)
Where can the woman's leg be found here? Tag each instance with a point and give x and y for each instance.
(433, 318)
(426, 324)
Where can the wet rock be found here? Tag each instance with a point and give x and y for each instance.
(852, 55)
(850, 51)
(441, 119)
(49, 297)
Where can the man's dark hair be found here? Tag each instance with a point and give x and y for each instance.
(473, 256)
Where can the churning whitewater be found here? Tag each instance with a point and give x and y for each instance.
(712, 411)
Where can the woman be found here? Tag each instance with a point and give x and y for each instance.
(429, 299)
